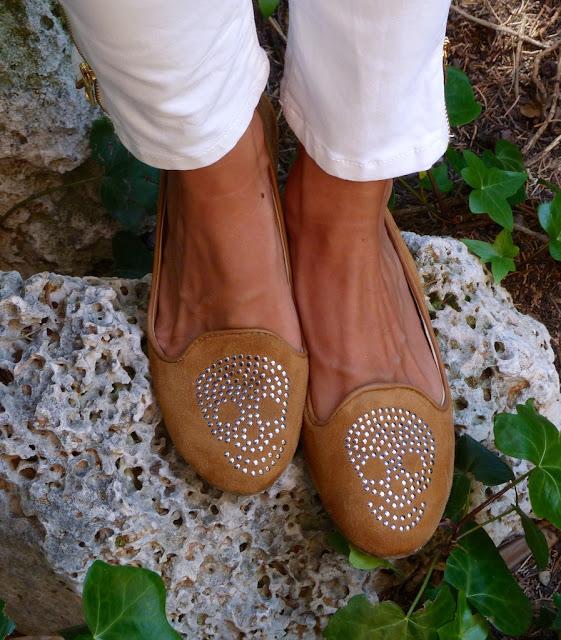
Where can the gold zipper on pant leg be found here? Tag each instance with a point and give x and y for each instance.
(445, 54)
(88, 82)
(446, 50)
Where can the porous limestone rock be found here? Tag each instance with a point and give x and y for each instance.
(44, 126)
(87, 471)
(495, 356)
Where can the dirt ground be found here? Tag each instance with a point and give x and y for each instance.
(511, 51)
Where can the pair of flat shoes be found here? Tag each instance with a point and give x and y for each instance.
(235, 404)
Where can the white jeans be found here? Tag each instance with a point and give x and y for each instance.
(362, 88)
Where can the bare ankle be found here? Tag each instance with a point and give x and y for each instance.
(315, 197)
(233, 171)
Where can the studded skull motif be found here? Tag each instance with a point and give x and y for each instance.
(393, 452)
(244, 401)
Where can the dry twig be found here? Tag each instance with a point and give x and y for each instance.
(517, 58)
(535, 234)
(544, 152)
(276, 26)
(499, 27)
(551, 113)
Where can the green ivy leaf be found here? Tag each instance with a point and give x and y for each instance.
(519, 197)
(484, 465)
(268, 7)
(484, 250)
(441, 178)
(132, 257)
(487, 200)
(7, 626)
(360, 560)
(476, 567)
(455, 159)
(129, 188)
(357, 558)
(125, 602)
(465, 625)
(129, 191)
(461, 104)
(544, 619)
(491, 188)
(556, 624)
(500, 254)
(426, 621)
(509, 156)
(501, 268)
(531, 436)
(106, 148)
(475, 170)
(459, 499)
(549, 214)
(338, 542)
(489, 158)
(504, 245)
(555, 249)
(526, 434)
(536, 540)
(361, 620)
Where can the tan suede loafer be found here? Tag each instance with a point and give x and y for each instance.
(233, 401)
(383, 462)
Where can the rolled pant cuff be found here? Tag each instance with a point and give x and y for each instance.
(225, 142)
(418, 157)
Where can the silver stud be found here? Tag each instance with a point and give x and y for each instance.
(388, 434)
(244, 381)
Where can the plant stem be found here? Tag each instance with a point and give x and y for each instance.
(45, 192)
(535, 234)
(423, 194)
(424, 585)
(469, 516)
(276, 26)
(484, 524)
(421, 197)
(412, 191)
(439, 201)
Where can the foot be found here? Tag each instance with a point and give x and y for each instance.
(223, 264)
(358, 316)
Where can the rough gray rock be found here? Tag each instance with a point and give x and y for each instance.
(495, 356)
(83, 457)
(86, 470)
(44, 143)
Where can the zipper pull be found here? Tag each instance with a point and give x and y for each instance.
(446, 51)
(88, 82)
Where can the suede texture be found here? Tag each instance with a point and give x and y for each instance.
(340, 449)
(233, 401)
(176, 388)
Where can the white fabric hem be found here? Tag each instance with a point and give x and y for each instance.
(419, 157)
(224, 143)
